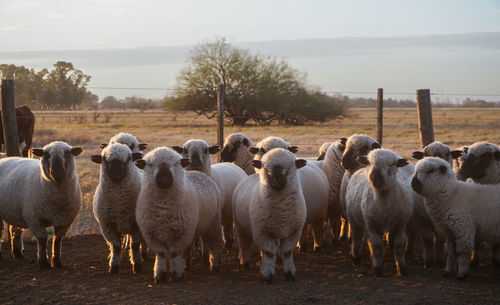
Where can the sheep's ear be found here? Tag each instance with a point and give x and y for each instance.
(37, 152)
(96, 158)
(178, 149)
(213, 149)
(185, 162)
(75, 151)
(141, 163)
(343, 141)
(417, 155)
(362, 160)
(137, 156)
(402, 162)
(376, 145)
(466, 150)
(300, 163)
(103, 145)
(256, 164)
(497, 155)
(253, 150)
(143, 146)
(456, 153)
(245, 142)
(293, 149)
(443, 169)
(321, 157)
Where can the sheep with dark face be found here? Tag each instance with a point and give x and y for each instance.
(226, 176)
(461, 211)
(323, 149)
(379, 200)
(314, 186)
(127, 139)
(482, 163)
(270, 211)
(36, 194)
(174, 208)
(235, 150)
(115, 202)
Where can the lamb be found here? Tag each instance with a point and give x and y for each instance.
(226, 176)
(174, 208)
(269, 208)
(127, 139)
(379, 200)
(235, 150)
(460, 211)
(36, 194)
(115, 202)
(482, 163)
(440, 150)
(314, 186)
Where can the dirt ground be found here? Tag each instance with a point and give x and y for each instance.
(322, 278)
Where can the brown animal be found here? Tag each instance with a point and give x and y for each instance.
(25, 129)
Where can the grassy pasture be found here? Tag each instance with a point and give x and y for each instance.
(455, 127)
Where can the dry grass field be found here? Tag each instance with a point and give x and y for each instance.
(455, 127)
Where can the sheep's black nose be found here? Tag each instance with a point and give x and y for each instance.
(57, 169)
(416, 184)
(116, 170)
(164, 178)
(227, 155)
(377, 179)
(277, 179)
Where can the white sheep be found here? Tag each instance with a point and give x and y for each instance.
(36, 194)
(226, 176)
(235, 150)
(127, 139)
(379, 200)
(174, 208)
(439, 150)
(314, 186)
(460, 211)
(270, 211)
(323, 149)
(115, 202)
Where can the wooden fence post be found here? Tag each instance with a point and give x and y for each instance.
(9, 119)
(424, 110)
(380, 114)
(220, 120)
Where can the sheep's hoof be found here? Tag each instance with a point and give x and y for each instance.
(428, 263)
(160, 277)
(447, 274)
(177, 277)
(17, 253)
(462, 277)
(43, 264)
(317, 249)
(268, 279)
(114, 269)
(290, 276)
(496, 264)
(136, 268)
(379, 270)
(356, 261)
(402, 271)
(56, 263)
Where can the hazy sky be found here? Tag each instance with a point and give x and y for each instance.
(410, 53)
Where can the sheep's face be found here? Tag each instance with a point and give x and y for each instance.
(57, 160)
(163, 167)
(382, 168)
(481, 163)
(431, 177)
(323, 149)
(439, 150)
(336, 148)
(129, 140)
(116, 160)
(199, 153)
(357, 145)
(269, 143)
(234, 145)
(458, 163)
(278, 168)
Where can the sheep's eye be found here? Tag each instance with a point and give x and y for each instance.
(263, 150)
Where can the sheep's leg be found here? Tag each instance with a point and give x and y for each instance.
(227, 224)
(356, 243)
(114, 240)
(317, 228)
(16, 241)
(303, 239)
(213, 237)
(135, 253)
(335, 223)
(245, 243)
(345, 230)
(1, 231)
(59, 233)
(377, 246)
(160, 267)
(286, 247)
(188, 255)
(440, 250)
(398, 242)
(450, 259)
(427, 238)
(474, 262)
(269, 251)
(40, 234)
(177, 265)
(496, 255)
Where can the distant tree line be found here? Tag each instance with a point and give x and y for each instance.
(133, 102)
(361, 102)
(64, 87)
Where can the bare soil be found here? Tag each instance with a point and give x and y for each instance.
(322, 278)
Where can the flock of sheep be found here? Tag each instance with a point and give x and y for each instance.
(170, 198)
